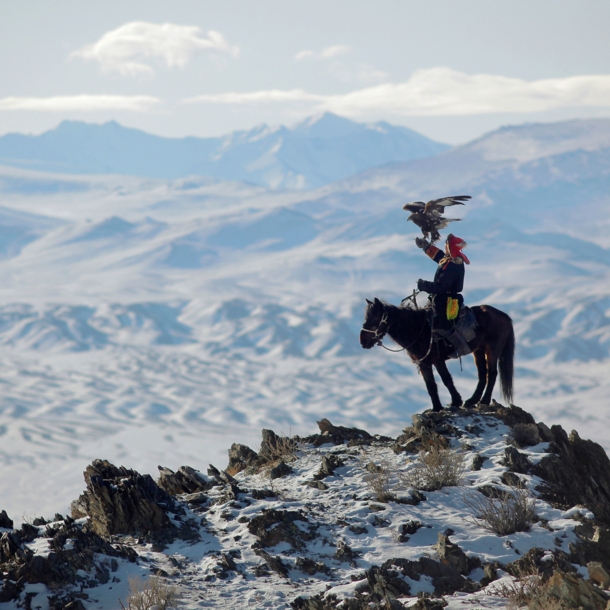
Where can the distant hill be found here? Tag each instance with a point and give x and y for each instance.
(318, 151)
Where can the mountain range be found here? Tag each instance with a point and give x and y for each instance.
(156, 321)
(317, 151)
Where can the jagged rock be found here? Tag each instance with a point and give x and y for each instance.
(221, 476)
(516, 461)
(344, 553)
(241, 457)
(445, 578)
(451, 554)
(311, 567)
(478, 461)
(491, 574)
(337, 435)
(328, 466)
(509, 415)
(512, 480)
(9, 591)
(386, 583)
(427, 603)
(274, 526)
(279, 471)
(269, 444)
(598, 575)
(185, 480)
(274, 563)
(408, 529)
(5, 521)
(593, 543)
(316, 485)
(122, 501)
(577, 473)
(228, 562)
(540, 562)
(574, 592)
(10, 547)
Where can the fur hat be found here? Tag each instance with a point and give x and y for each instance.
(455, 245)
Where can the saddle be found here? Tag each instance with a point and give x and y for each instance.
(463, 331)
(466, 324)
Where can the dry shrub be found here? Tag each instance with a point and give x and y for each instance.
(151, 593)
(526, 435)
(531, 592)
(285, 449)
(378, 481)
(437, 468)
(512, 512)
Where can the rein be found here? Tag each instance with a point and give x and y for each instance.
(379, 336)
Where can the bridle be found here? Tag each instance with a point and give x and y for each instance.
(383, 328)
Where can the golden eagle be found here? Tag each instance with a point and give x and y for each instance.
(429, 216)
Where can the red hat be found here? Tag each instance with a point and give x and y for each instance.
(455, 245)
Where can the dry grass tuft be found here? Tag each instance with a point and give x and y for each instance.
(512, 512)
(378, 480)
(437, 468)
(284, 449)
(151, 593)
(531, 592)
(526, 435)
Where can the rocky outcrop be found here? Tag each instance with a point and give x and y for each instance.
(574, 592)
(339, 435)
(185, 480)
(64, 564)
(122, 501)
(274, 526)
(576, 474)
(5, 521)
(241, 457)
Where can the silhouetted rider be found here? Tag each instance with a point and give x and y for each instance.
(445, 290)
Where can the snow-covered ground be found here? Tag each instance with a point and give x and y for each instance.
(149, 322)
(328, 534)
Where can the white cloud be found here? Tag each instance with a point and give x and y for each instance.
(127, 49)
(443, 92)
(80, 103)
(327, 53)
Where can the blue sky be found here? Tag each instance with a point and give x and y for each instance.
(448, 69)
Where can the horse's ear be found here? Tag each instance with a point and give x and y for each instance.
(378, 303)
(369, 302)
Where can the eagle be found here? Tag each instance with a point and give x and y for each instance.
(429, 216)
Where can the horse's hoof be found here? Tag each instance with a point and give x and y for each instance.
(454, 408)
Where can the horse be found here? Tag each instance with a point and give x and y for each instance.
(493, 348)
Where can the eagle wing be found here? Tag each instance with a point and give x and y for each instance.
(429, 216)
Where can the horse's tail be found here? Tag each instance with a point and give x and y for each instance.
(506, 364)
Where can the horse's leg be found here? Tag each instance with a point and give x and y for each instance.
(481, 364)
(491, 356)
(443, 371)
(428, 375)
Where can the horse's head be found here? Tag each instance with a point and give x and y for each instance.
(375, 324)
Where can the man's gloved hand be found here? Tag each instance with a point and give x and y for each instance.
(420, 285)
(422, 243)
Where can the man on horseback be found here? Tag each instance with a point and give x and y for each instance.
(446, 287)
